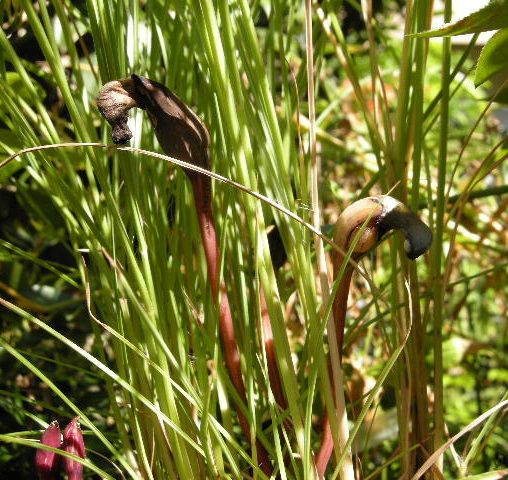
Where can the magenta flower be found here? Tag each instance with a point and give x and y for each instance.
(73, 443)
(47, 463)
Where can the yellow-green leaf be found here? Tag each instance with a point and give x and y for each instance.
(492, 17)
(493, 58)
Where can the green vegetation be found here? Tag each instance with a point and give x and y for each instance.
(106, 310)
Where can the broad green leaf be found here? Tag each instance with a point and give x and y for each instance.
(492, 17)
(493, 58)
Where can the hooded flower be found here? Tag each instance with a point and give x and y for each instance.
(73, 443)
(46, 462)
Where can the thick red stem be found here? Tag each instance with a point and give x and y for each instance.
(326, 448)
(339, 317)
(201, 189)
(340, 306)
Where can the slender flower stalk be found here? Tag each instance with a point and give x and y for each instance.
(47, 463)
(183, 135)
(371, 218)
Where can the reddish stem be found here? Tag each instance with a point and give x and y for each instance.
(326, 448)
(339, 317)
(340, 304)
(201, 188)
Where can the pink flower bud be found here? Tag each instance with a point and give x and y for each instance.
(73, 443)
(46, 462)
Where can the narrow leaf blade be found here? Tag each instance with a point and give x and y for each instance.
(491, 17)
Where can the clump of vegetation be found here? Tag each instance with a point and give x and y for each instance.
(111, 297)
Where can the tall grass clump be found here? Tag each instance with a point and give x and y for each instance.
(107, 309)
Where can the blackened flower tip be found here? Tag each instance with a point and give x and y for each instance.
(114, 101)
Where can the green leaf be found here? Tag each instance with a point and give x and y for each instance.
(493, 58)
(492, 17)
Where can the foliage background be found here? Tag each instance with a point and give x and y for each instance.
(119, 228)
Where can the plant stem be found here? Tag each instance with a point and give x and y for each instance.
(201, 186)
(437, 251)
(340, 414)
